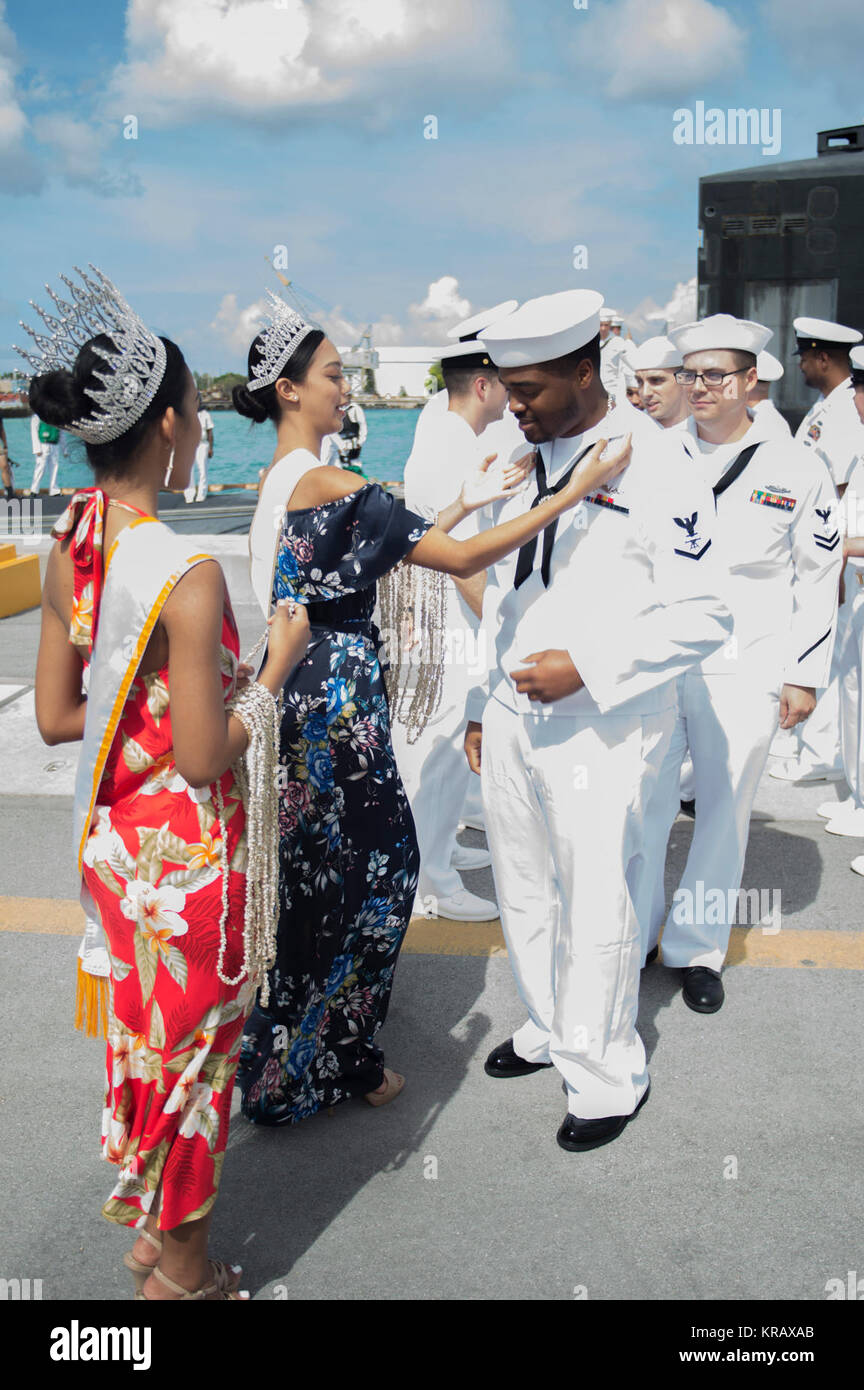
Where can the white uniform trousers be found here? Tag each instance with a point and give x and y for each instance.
(563, 799)
(851, 703)
(727, 721)
(47, 457)
(436, 777)
(202, 453)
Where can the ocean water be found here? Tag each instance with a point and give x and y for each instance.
(241, 449)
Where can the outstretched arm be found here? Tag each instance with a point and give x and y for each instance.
(437, 551)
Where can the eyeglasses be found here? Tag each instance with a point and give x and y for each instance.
(713, 376)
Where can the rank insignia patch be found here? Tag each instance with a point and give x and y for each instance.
(697, 549)
(602, 499)
(828, 542)
(773, 499)
(815, 431)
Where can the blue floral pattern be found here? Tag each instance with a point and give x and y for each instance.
(348, 851)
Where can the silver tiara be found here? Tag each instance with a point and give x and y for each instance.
(137, 366)
(279, 341)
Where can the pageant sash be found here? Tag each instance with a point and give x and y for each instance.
(266, 525)
(141, 569)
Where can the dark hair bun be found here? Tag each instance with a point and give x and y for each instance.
(246, 404)
(56, 399)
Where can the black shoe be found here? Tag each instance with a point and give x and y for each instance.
(651, 957)
(503, 1061)
(689, 809)
(577, 1136)
(703, 989)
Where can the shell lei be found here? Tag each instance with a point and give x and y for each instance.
(260, 714)
(410, 590)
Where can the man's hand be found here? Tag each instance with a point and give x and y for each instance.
(473, 740)
(797, 703)
(550, 676)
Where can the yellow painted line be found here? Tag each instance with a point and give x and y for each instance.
(790, 950)
(58, 916)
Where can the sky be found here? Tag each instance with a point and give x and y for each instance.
(302, 124)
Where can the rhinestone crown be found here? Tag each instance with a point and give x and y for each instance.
(136, 367)
(285, 333)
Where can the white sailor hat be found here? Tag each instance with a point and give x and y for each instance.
(617, 321)
(856, 358)
(544, 329)
(607, 315)
(472, 353)
(720, 331)
(768, 368)
(816, 333)
(655, 353)
(630, 378)
(470, 328)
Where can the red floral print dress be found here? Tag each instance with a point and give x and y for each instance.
(152, 864)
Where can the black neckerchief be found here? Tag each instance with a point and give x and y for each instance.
(735, 469)
(525, 562)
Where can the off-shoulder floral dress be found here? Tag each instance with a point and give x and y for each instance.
(348, 850)
(152, 865)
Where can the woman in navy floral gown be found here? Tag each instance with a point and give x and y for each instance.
(348, 852)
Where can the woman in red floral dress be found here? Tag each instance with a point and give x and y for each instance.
(152, 858)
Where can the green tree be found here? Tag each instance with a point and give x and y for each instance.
(435, 379)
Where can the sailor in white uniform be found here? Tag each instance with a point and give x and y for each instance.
(46, 441)
(655, 363)
(436, 406)
(433, 767)
(759, 402)
(830, 428)
(778, 543)
(847, 817)
(587, 631)
(612, 353)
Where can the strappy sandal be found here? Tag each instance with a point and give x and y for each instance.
(221, 1286)
(140, 1271)
(394, 1084)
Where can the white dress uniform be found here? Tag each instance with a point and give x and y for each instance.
(851, 663)
(613, 356)
(564, 784)
(433, 768)
(771, 422)
(778, 542)
(832, 429)
(45, 456)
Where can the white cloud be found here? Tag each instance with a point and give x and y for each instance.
(443, 307)
(265, 58)
(648, 319)
(662, 50)
(18, 172)
(237, 327)
(74, 149)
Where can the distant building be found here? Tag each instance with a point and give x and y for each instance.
(403, 368)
